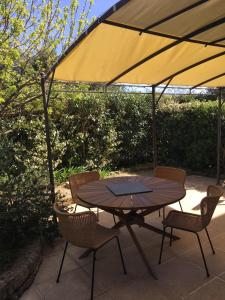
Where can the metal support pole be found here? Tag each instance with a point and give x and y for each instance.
(219, 135)
(48, 140)
(155, 159)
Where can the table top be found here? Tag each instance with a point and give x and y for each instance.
(164, 192)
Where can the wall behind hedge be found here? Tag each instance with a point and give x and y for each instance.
(116, 131)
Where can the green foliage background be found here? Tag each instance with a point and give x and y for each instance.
(115, 131)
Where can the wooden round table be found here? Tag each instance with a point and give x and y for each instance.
(132, 208)
(164, 192)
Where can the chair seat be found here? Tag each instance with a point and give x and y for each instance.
(185, 221)
(103, 235)
(84, 204)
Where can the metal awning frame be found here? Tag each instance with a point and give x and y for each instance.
(177, 40)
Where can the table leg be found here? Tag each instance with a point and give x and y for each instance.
(157, 230)
(141, 251)
(86, 253)
(118, 225)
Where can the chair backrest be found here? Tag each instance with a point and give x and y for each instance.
(170, 173)
(209, 203)
(77, 228)
(214, 190)
(78, 180)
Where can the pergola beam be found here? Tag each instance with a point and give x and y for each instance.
(48, 136)
(218, 40)
(210, 58)
(163, 91)
(219, 134)
(50, 87)
(154, 138)
(174, 15)
(168, 47)
(165, 35)
(208, 80)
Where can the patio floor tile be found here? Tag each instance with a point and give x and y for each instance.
(32, 294)
(178, 277)
(215, 263)
(50, 267)
(214, 289)
(75, 284)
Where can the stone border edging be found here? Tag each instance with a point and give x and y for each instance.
(20, 276)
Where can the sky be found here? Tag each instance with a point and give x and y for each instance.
(98, 8)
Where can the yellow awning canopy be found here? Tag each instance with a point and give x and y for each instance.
(151, 42)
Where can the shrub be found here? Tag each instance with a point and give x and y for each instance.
(187, 135)
(113, 131)
(25, 205)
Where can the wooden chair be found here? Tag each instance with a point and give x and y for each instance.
(82, 230)
(170, 173)
(194, 222)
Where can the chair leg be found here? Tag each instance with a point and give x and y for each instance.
(171, 235)
(121, 255)
(93, 274)
(161, 250)
(203, 256)
(180, 206)
(114, 219)
(61, 265)
(98, 214)
(213, 251)
(159, 213)
(164, 213)
(75, 208)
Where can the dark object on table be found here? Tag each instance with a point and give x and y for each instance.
(127, 188)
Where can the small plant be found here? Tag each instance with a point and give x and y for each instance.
(104, 173)
(62, 175)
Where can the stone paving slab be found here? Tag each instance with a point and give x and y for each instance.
(181, 274)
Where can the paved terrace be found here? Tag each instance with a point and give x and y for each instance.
(181, 274)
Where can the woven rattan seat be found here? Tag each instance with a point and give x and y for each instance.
(76, 181)
(170, 173)
(185, 221)
(82, 230)
(194, 222)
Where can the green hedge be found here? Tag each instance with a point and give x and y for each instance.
(188, 135)
(116, 131)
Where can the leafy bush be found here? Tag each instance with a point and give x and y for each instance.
(101, 131)
(113, 131)
(25, 205)
(187, 135)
